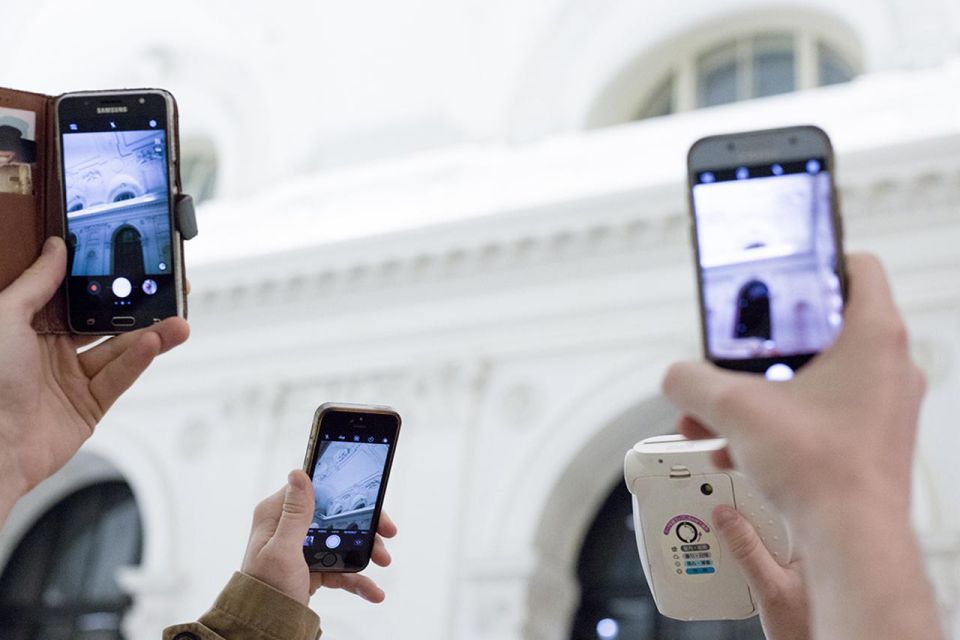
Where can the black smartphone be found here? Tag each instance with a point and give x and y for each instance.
(767, 239)
(348, 460)
(116, 157)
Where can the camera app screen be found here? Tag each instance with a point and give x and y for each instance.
(347, 480)
(118, 210)
(767, 260)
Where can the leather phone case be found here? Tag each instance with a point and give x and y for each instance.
(27, 219)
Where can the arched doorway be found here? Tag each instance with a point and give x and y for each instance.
(60, 581)
(615, 601)
(753, 311)
(127, 252)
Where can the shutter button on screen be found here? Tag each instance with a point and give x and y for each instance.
(121, 287)
(333, 541)
(779, 372)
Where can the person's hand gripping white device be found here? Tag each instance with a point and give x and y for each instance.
(675, 489)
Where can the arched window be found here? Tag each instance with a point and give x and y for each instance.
(753, 311)
(721, 65)
(199, 168)
(615, 602)
(60, 581)
(127, 252)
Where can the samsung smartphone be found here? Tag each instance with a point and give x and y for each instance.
(116, 174)
(767, 241)
(348, 459)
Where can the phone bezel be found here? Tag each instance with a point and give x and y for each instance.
(172, 190)
(761, 147)
(324, 412)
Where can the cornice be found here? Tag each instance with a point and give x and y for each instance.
(643, 226)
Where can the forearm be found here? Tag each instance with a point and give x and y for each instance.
(865, 574)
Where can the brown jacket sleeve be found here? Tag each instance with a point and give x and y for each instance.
(248, 609)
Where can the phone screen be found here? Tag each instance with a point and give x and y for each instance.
(349, 469)
(116, 189)
(767, 248)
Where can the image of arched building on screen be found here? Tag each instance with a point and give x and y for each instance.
(347, 481)
(117, 203)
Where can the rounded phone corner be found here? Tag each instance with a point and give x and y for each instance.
(696, 148)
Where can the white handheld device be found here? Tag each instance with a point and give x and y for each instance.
(675, 488)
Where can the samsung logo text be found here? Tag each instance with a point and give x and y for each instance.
(111, 109)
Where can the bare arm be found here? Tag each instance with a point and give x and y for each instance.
(833, 449)
(51, 396)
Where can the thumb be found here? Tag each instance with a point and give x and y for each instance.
(297, 511)
(39, 282)
(763, 573)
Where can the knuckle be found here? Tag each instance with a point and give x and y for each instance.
(670, 379)
(263, 510)
(743, 544)
(896, 336)
(294, 507)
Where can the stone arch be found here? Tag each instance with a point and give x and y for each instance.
(582, 486)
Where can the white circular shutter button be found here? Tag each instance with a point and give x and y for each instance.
(121, 287)
(333, 541)
(779, 373)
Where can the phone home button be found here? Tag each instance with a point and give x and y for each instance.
(122, 321)
(329, 560)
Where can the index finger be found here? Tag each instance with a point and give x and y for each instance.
(718, 399)
(386, 526)
(869, 296)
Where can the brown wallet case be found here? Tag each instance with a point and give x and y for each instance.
(31, 209)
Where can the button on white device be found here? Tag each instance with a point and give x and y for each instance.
(121, 287)
(779, 372)
(333, 541)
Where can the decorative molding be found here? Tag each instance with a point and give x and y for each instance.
(638, 225)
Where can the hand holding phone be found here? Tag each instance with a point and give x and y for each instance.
(274, 552)
(767, 239)
(348, 459)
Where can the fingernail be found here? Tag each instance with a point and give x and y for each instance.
(725, 516)
(48, 245)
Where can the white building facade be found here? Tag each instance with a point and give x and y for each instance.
(446, 207)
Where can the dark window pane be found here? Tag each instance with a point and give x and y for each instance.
(773, 65)
(660, 102)
(60, 581)
(199, 168)
(717, 76)
(57, 630)
(615, 600)
(831, 67)
(117, 545)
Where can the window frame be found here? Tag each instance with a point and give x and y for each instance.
(628, 95)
